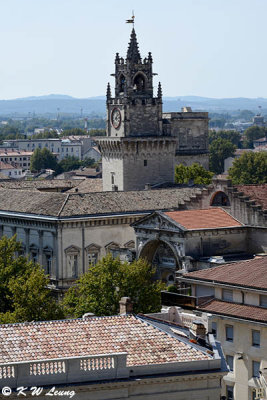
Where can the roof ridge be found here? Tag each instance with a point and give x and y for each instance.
(63, 205)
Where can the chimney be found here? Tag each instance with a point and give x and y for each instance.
(126, 306)
(198, 329)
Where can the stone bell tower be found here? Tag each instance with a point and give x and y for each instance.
(135, 152)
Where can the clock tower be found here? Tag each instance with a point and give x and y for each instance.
(135, 152)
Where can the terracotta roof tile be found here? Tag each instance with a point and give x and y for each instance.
(236, 310)
(255, 192)
(144, 343)
(203, 219)
(251, 273)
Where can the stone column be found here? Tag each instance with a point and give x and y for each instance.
(54, 269)
(13, 230)
(41, 234)
(27, 240)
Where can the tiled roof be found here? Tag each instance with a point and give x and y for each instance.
(203, 219)
(4, 165)
(235, 310)
(88, 186)
(144, 343)
(40, 184)
(250, 273)
(255, 192)
(77, 204)
(14, 153)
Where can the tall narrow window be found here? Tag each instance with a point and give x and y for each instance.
(230, 362)
(230, 392)
(255, 369)
(229, 333)
(256, 338)
(145, 163)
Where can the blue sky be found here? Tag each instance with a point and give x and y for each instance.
(213, 48)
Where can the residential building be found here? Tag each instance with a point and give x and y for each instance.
(236, 296)
(20, 158)
(11, 171)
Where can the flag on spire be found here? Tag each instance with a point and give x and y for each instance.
(131, 20)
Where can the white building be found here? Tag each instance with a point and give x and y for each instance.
(236, 297)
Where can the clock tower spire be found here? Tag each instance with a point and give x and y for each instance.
(135, 151)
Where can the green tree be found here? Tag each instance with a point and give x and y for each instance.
(42, 159)
(253, 133)
(195, 173)
(100, 289)
(250, 168)
(233, 136)
(220, 149)
(24, 295)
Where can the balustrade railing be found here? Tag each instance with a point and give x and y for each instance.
(64, 370)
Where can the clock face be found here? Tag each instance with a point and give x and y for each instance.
(116, 118)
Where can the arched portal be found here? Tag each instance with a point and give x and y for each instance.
(162, 256)
(220, 199)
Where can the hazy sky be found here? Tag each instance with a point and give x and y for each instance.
(213, 48)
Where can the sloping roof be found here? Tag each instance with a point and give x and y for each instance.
(203, 219)
(88, 185)
(4, 165)
(235, 310)
(144, 343)
(250, 273)
(255, 192)
(101, 203)
(40, 184)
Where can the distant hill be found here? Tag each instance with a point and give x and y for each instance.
(67, 104)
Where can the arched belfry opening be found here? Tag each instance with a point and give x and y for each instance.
(139, 83)
(122, 83)
(161, 256)
(220, 199)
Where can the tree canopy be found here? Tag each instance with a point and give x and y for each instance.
(253, 133)
(100, 289)
(43, 159)
(24, 295)
(233, 136)
(220, 149)
(194, 172)
(250, 168)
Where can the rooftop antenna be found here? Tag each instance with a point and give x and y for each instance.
(259, 107)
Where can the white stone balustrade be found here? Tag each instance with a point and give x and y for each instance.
(64, 370)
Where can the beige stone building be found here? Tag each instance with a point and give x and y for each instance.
(235, 295)
(143, 144)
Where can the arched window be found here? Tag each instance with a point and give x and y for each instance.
(220, 199)
(122, 83)
(139, 83)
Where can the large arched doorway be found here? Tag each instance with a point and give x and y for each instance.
(162, 256)
(220, 199)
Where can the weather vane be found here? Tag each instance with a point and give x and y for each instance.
(131, 20)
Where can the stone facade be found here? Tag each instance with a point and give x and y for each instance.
(143, 144)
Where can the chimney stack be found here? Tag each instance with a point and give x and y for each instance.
(126, 306)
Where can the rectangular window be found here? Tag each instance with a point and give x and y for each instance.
(227, 295)
(230, 362)
(256, 338)
(229, 392)
(214, 329)
(145, 163)
(256, 369)
(229, 333)
(263, 301)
